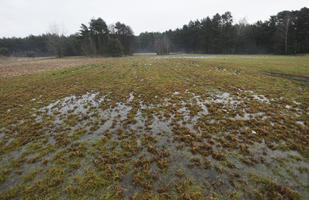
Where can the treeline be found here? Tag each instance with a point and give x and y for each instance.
(31, 45)
(285, 33)
(96, 39)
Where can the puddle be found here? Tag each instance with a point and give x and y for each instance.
(249, 116)
(261, 98)
(301, 123)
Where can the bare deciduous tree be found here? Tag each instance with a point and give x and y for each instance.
(162, 45)
(56, 40)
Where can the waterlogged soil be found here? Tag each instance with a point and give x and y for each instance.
(145, 128)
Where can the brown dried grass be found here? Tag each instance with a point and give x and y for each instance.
(13, 66)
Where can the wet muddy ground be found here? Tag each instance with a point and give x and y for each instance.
(145, 128)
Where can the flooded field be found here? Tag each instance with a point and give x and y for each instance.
(158, 127)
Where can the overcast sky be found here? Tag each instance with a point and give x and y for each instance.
(23, 17)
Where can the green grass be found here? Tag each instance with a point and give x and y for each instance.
(91, 154)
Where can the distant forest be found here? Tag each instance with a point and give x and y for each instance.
(284, 33)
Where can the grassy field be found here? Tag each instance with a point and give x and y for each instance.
(155, 127)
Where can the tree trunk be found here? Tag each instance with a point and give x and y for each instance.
(287, 25)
